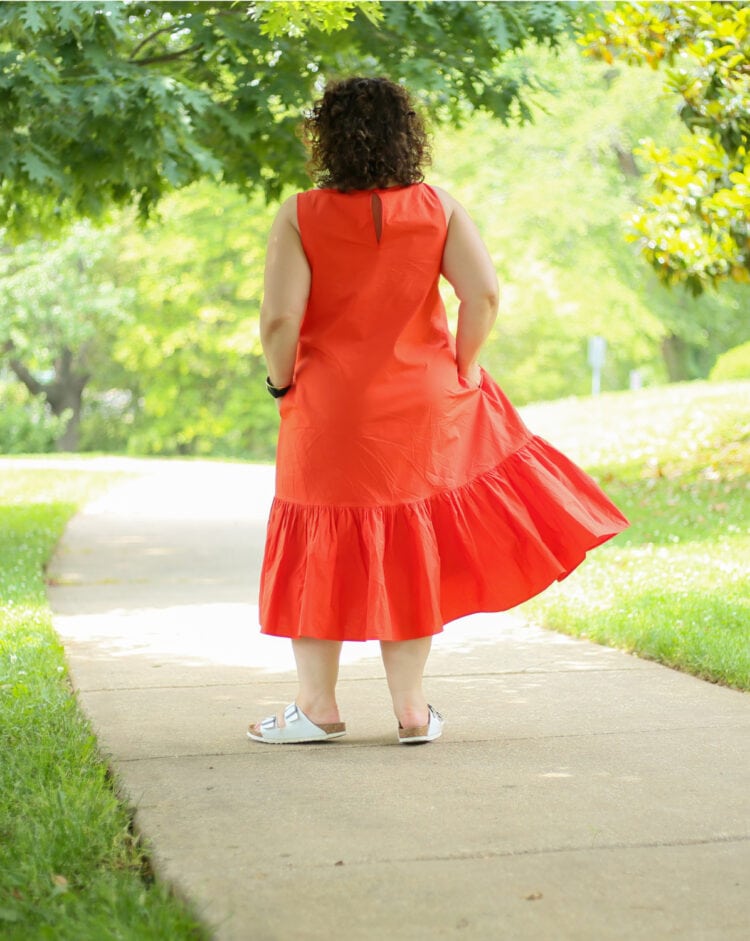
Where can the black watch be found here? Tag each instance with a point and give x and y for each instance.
(275, 391)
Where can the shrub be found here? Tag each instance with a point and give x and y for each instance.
(27, 425)
(734, 364)
(107, 420)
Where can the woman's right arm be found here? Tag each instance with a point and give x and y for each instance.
(468, 268)
(285, 293)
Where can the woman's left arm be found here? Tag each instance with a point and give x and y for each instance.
(285, 293)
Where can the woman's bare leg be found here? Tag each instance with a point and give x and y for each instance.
(404, 663)
(318, 672)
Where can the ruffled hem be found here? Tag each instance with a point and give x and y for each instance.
(403, 571)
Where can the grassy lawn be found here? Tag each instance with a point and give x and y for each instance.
(69, 865)
(675, 587)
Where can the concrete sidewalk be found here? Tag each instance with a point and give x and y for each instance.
(577, 793)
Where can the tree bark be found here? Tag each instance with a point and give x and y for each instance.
(21, 372)
(64, 392)
(626, 160)
(678, 358)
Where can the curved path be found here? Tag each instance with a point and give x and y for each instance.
(578, 793)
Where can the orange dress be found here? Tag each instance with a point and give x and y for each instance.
(404, 497)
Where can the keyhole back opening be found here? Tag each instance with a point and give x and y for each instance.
(377, 215)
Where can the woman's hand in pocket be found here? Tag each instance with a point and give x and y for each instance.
(473, 377)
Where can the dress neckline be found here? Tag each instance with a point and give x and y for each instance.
(369, 192)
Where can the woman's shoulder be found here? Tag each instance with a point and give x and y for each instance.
(289, 209)
(442, 193)
(448, 202)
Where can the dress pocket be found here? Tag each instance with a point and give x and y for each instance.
(468, 386)
(286, 402)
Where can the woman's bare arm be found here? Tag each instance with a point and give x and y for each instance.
(468, 267)
(286, 289)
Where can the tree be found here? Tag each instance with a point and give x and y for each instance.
(106, 103)
(694, 227)
(60, 314)
(549, 198)
(115, 104)
(191, 353)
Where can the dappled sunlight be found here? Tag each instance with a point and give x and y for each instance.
(163, 569)
(529, 648)
(640, 428)
(227, 635)
(187, 635)
(198, 490)
(218, 645)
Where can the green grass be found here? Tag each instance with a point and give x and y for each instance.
(675, 587)
(70, 867)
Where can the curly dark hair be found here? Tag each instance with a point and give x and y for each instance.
(365, 133)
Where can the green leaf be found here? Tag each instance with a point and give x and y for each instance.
(120, 103)
(32, 17)
(38, 169)
(71, 15)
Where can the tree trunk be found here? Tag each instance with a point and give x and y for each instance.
(68, 441)
(626, 160)
(65, 392)
(678, 358)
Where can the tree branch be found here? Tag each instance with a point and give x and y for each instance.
(148, 39)
(168, 29)
(33, 385)
(168, 56)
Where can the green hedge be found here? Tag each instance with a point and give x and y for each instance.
(27, 425)
(734, 364)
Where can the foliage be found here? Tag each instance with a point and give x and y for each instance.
(111, 103)
(734, 364)
(693, 227)
(69, 865)
(675, 586)
(176, 365)
(61, 313)
(107, 417)
(295, 18)
(27, 425)
(47, 291)
(193, 350)
(549, 198)
(180, 372)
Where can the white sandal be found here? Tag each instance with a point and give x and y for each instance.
(423, 733)
(298, 729)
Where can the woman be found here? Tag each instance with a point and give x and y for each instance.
(408, 491)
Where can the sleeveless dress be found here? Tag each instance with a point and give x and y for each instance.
(404, 497)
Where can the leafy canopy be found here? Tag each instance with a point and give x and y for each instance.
(61, 296)
(693, 228)
(182, 371)
(112, 103)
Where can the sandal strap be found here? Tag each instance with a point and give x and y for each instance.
(297, 728)
(292, 713)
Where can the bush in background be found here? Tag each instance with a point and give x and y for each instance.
(107, 421)
(27, 425)
(734, 364)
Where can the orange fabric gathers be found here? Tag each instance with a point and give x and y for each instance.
(404, 498)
